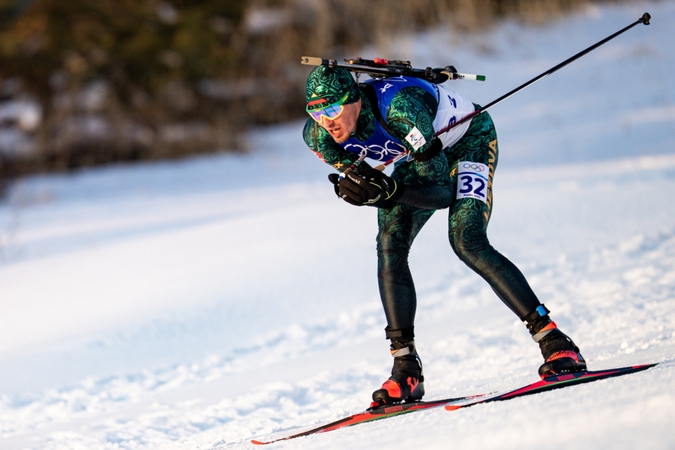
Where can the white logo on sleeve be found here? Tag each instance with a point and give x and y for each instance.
(472, 180)
(415, 139)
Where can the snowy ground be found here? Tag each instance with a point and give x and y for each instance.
(203, 303)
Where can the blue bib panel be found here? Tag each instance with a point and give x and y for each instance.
(382, 146)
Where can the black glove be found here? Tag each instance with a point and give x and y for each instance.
(366, 186)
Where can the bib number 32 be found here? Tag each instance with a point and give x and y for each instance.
(472, 180)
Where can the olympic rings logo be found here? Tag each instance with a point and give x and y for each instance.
(474, 167)
(390, 150)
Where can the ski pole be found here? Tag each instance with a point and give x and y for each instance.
(355, 164)
(644, 19)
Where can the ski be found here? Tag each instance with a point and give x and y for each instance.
(370, 415)
(451, 404)
(554, 382)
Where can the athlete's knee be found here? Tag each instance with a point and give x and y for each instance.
(391, 240)
(392, 259)
(469, 243)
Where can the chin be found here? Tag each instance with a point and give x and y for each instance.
(340, 139)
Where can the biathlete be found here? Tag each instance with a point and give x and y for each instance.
(383, 118)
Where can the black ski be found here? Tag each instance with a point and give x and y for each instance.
(451, 404)
(554, 382)
(370, 415)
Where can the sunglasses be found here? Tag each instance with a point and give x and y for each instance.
(331, 111)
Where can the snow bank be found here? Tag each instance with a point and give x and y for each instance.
(203, 303)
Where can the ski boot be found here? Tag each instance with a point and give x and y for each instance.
(560, 353)
(407, 380)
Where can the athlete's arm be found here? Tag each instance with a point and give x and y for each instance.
(426, 178)
(410, 117)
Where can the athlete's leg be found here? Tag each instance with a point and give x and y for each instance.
(468, 222)
(428, 186)
(470, 214)
(469, 241)
(398, 227)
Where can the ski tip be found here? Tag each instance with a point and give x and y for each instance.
(253, 441)
(644, 366)
(452, 407)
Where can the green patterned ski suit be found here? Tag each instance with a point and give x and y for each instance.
(431, 183)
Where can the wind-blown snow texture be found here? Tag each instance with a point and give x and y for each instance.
(199, 304)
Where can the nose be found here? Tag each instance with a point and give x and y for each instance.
(326, 122)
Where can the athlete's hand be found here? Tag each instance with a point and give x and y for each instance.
(335, 179)
(366, 186)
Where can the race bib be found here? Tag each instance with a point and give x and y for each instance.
(472, 180)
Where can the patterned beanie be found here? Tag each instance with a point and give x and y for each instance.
(331, 84)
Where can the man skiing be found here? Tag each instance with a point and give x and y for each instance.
(384, 118)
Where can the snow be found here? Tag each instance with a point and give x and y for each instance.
(203, 303)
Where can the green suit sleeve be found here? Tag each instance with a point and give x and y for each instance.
(322, 144)
(412, 110)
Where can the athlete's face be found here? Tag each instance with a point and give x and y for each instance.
(344, 125)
